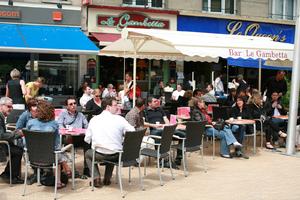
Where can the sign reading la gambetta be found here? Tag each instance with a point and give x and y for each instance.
(132, 20)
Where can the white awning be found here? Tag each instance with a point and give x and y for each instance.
(192, 46)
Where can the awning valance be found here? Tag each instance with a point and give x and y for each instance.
(44, 39)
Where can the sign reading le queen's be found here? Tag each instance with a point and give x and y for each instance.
(132, 20)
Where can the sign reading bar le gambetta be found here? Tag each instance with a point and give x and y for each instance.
(132, 20)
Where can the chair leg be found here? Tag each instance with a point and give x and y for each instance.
(93, 169)
(140, 177)
(56, 174)
(73, 169)
(25, 180)
(117, 175)
(120, 180)
(145, 165)
(9, 160)
(38, 176)
(202, 158)
(184, 162)
(159, 172)
(129, 173)
(170, 163)
(162, 165)
(214, 144)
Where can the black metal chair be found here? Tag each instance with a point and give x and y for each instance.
(193, 141)
(162, 151)
(128, 156)
(40, 153)
(13, 117)
(5, 143)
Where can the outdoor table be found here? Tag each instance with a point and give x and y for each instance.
(72, 132)
(284, 117)
(245, 122)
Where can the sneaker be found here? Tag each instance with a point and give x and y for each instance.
(282, 134)
(237, 144)
(32, 179)
(225, 156)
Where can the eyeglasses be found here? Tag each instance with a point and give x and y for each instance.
(73, 103)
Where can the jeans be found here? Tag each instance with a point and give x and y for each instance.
(239, 131)
(219, 93)
(226, 137)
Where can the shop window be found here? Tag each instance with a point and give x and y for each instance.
(219, 6)
(284, 9)
(145, 3)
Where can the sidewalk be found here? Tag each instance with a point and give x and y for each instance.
(265, 176)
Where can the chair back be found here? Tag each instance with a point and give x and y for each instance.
(40, 147)
(220, 113)
(194, 133)
(166, 138)
(132, 145)
(168, 96)
(14, 116)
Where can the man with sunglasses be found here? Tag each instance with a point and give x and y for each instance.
(16, 152)
(71, 117)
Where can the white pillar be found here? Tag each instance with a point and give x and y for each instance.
(294, 97)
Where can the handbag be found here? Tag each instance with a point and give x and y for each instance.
(219, 125)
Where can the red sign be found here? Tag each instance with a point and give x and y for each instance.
(57, 15)
(132, 20)
(12, 14)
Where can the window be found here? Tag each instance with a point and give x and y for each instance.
(284, 9)
(219, 6)
(145, 3)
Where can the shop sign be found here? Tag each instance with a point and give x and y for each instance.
(264, 54)
(253, 29)
(132, 20)
(10, 14)
(278, 32)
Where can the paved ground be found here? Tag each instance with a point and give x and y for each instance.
(265, 176)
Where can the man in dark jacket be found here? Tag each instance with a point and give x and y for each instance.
(16, 152)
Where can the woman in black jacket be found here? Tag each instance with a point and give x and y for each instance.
(257, 111)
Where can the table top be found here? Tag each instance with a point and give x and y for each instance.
(73, 132)
(240, 121)
(286, 117)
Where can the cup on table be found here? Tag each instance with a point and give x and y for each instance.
(231, 119)
(157, 123)
(239, 118)
(69, 128)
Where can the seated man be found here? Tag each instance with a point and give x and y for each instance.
(156, 118)
(16, 152)
(71, 117)
(106, 130)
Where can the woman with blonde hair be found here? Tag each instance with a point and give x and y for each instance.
(32, 88)
(15, 89)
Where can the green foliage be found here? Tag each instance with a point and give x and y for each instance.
(286, 98)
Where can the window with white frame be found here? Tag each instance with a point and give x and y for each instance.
(284, 9)
(145, 3)
(219, 6)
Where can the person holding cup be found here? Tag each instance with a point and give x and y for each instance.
(240, 111)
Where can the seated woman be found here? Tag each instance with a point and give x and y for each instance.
(45, 122)
(199, 113)
(274, 108)
(30, 113)
(257, 111)
(93, 106)
(240, 110)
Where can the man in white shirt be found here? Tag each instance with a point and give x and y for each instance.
(178, 92)
(106, 130)
(218, 85)
(87, 95)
